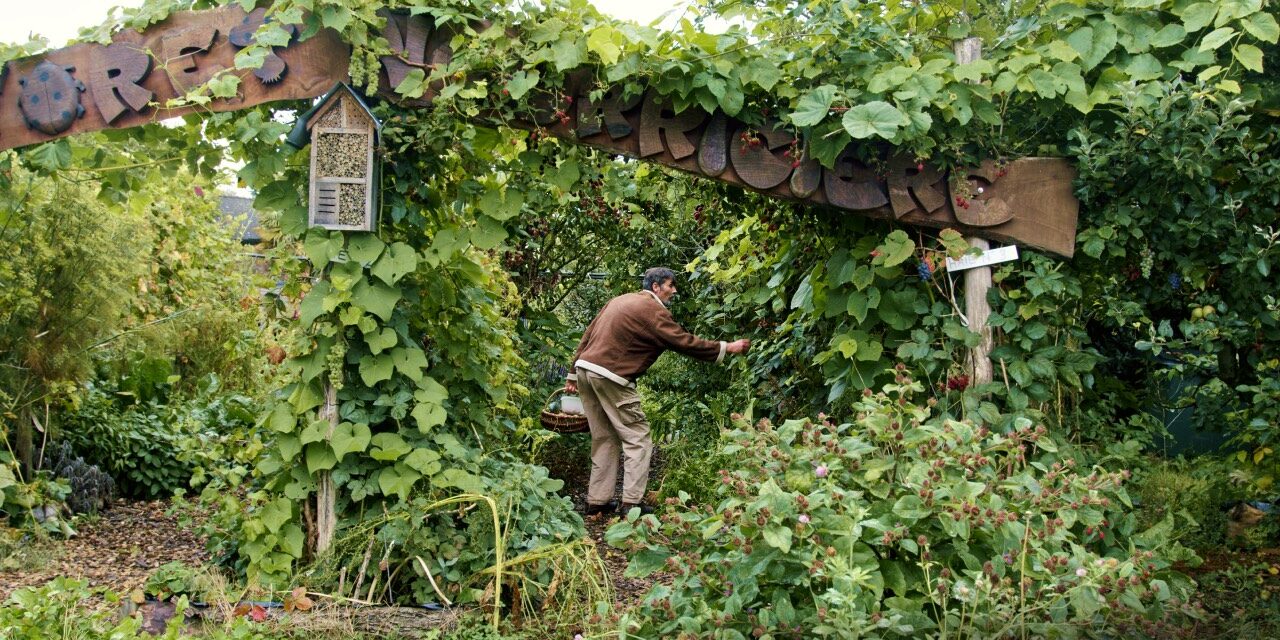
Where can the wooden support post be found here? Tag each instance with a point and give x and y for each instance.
(326, 493)
(977, 281)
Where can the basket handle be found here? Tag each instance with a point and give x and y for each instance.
(547, 403)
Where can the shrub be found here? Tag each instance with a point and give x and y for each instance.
(91, 488)
(899, 524)
(155, 448)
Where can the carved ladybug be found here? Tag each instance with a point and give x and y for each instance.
(50, 99)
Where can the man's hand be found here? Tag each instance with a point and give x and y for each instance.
(570, 386)
(738, 346)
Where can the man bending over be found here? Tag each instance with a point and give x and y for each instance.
(619, 345)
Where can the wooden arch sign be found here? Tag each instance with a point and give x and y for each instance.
(89, 87)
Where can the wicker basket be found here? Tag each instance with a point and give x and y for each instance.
(562, 422)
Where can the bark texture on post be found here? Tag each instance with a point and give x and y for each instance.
(977, 281)
(326, 492)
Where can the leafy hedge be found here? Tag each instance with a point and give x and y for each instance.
(903, 522)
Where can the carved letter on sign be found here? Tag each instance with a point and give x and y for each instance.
(407, 36)
(754, 160)
(981, 207)
(609, 110)
(116, 81)
(850, 185)
(713, 150)
(654, 122)
(908, 178)
(50, 99)
(273, 66)
(180, 51)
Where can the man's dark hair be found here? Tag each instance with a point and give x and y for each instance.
(657, 275)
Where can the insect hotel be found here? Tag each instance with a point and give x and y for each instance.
(344, 176)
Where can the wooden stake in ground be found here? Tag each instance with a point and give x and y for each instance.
(326, 492)
(977, 281)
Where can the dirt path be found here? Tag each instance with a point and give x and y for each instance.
(572, 464)
(118, 550)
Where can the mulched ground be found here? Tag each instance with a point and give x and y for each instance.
(118, 550)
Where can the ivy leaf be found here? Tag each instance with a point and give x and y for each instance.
(399, 261)
(282, 419)
(454, 477)
(431, 391)
(315, 431)
(276, 513)
(388, 447)
(289, 447)
(1144, 67)
(428, 416)
(397, 481)
(875, 118)
(314, 304)
(897, 247)
(1093, 43)
(53, 156)
(429, 411)
(1263, 27)
(424, 461)
(870, 350)
(322, 246)
(521, 82)
(291, 540)
(764, 74)
(1168, 36)
(1198, 16)
(501, 204)
(381, 340)
(803, 296)
(487, 233)
(375, 369)
(320, 457)
(349, 438)
(410, 361)
(413, 85)
(601, 42)
(1250, 57)
(813, 106)
(364, 248)
(376, 298)
(1216, 38)
(566, 54)
(827, 143)
(972, 71)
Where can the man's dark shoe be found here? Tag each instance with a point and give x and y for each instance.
(597, 509)
(628, 506)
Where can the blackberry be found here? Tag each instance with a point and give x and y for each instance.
(924, 271)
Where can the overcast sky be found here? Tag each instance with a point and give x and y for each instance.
(59, 20)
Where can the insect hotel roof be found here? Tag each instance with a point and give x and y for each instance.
(344, 136)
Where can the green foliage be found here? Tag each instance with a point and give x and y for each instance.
(902, 523)
(170, 580)
(1186, 501)
(73, 611)
(1243, 594)
(153, 448)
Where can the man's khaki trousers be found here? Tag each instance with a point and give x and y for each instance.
(617, 423)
